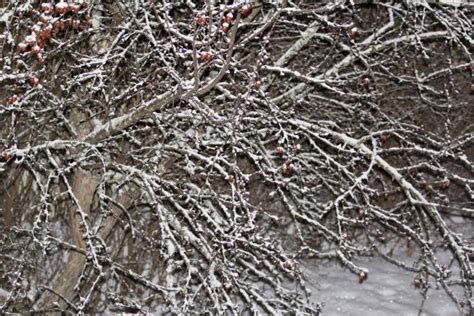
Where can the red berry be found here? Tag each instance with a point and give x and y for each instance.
(36, 29)
(230, 178)
(225, 27)
(47, 32)
(75, 23)
(365, 82)
(285, 169)
(39, 58)
(59, 25)
(206, 56)
(354, 32)
(33, 80)
(12, 99)
(61, 7)
(258, 84)
(288, 168)
(44, 18)
(19, 63)
(36, 49)
(444, 184)
(46, 7)
(280, 150)
(201, 20)
(22, 47)
(7, 156)
(229, 17)
(245, 9)
(75, 8)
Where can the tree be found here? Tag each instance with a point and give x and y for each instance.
(185, 156)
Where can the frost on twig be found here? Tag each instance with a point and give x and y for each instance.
(190, 157)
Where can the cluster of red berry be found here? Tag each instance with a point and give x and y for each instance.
(229, 17)
(287, 264)
(6, 156)
(289, 167)
(203, 20)
(246, 8)
(48, 19)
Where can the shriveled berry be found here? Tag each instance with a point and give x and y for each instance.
(22, 47)
(33, 80)
(201, 20)
(229, 17)
(206, 56)
(245, 9)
